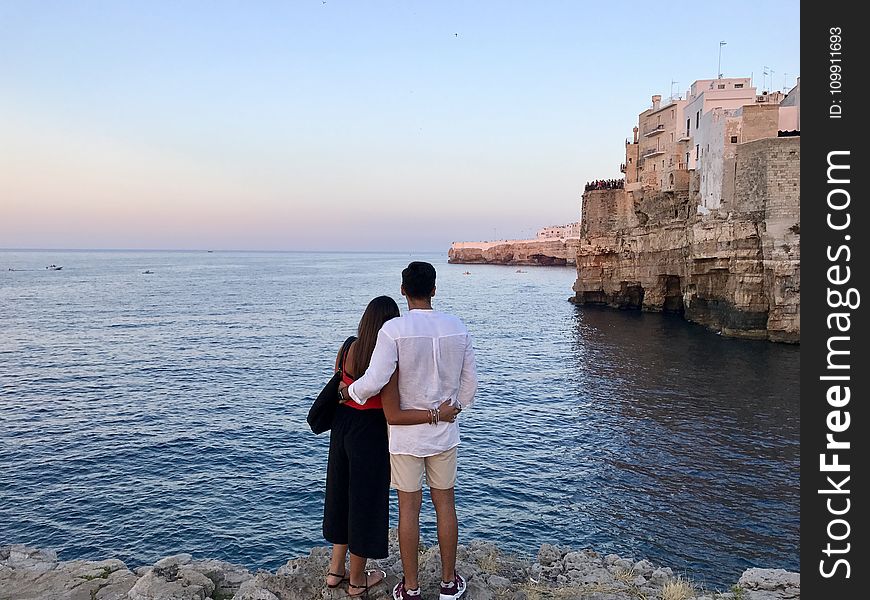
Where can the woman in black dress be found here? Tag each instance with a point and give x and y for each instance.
(356, 511)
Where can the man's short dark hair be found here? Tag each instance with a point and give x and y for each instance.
(418, 279)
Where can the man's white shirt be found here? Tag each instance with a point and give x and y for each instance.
(435, 359)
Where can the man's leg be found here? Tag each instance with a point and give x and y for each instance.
(409, 534)
(406, 476)
(441, 475)
(448, 530)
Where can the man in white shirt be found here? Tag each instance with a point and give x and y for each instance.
(437, 378)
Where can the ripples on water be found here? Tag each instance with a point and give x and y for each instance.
(144, 415)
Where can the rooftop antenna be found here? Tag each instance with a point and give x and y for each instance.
(672, 88)
(784, 81)
(722, 43)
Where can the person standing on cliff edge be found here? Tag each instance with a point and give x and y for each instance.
(431, 353)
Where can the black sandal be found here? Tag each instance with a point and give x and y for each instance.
(365, 588)
(342, 579)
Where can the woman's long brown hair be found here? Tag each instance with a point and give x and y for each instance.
(379, 311)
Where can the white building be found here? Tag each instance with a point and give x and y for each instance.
(703, 96)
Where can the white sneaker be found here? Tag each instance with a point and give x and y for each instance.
(454, 589)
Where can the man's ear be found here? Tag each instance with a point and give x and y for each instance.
(433, 292)
(403, 290)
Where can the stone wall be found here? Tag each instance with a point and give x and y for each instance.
(735, 270)
(545, 252)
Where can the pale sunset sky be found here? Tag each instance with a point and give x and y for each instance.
(340, 125)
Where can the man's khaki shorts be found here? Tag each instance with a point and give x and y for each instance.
(407, 471)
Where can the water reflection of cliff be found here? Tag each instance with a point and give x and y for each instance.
(689, 441)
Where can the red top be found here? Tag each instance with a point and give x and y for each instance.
(371, 403)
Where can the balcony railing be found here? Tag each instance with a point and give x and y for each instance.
(654, 131)
(653, 152)
(622, 168)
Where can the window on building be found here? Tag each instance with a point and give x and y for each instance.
(672, 113)
(721, 86)
(688, 126)
(663, 163)
(687, 160)
(738, 85)
(697, 149)
(672, 137)
(733, 139)
(697, 119)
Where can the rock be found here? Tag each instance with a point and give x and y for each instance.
(171, 579)
(477, 590)
(770, 584)
(624, 563)
(584, 560)
(27, 558)
(498, 582)
(611, 559)
(644, 567)
(175, 559)
(251, 591)
(548, 555)
(660, 575)
(72, 580)
(599, 576)
(226, 577)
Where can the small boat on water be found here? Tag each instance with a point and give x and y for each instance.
(147, 272)
(467, 273)
(53, 268)
(521, 271)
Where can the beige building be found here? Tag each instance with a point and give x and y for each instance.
(571, 230)
(658, 162)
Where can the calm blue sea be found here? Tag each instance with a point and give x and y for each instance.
(147, 414)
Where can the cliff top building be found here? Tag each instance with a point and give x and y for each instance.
(653, 159)
(703, 96)
(571, 230)
(722, 130)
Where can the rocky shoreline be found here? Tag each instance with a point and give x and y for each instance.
(28, 573)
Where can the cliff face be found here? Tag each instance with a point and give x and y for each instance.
(515, 252)
(735, 270)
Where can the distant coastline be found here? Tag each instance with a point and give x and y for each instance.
(537, 252)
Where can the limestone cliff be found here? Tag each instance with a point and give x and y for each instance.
(515, 252)
(735, 270)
